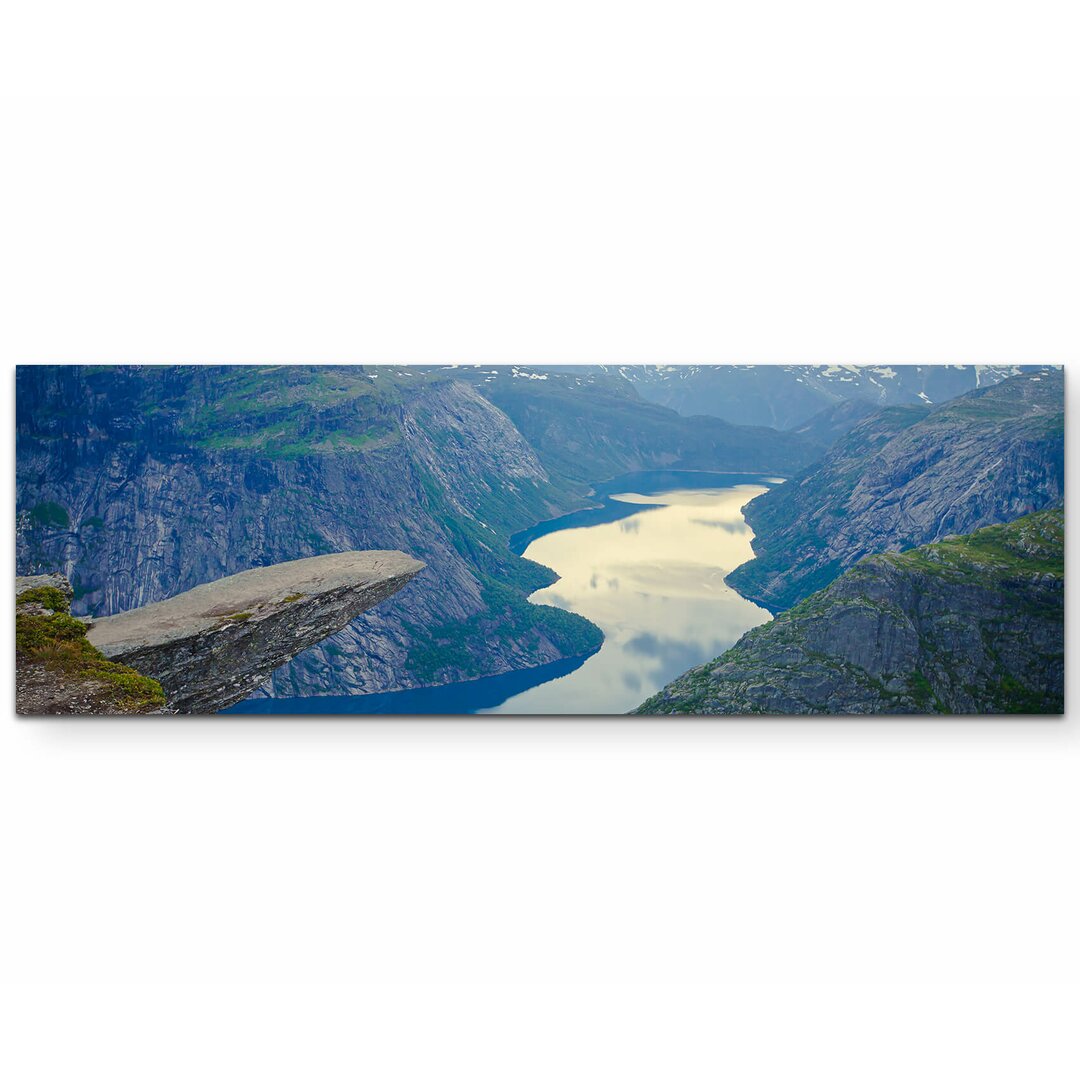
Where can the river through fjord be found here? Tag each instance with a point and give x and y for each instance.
(647, 566)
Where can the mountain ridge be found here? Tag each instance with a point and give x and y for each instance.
(784, 396)
(905, 476)
(141, 482)
(971, 624)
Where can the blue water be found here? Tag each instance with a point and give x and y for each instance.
(456, 699)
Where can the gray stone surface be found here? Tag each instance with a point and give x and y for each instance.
(906, 477)
(971, 626)
(213, 645)
(154, 510)
(43, 581)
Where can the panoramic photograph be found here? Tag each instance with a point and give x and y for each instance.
(402, 540)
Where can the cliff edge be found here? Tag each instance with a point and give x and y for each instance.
(211, 646)
(57, 671)
(971, 624)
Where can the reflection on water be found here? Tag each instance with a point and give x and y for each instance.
(478, 695)
(647, 567)
(654, 582)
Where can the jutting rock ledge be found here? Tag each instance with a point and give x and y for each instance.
(212, 646)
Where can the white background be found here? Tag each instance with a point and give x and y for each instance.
(562, 182)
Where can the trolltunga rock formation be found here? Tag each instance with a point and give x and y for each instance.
(211, 646)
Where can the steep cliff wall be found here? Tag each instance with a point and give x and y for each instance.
(590, 424)
(907, 476)
(139, 483)
(973, 624)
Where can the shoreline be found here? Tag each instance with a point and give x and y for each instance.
(660, 482)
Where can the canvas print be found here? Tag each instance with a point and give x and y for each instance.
(685, 540)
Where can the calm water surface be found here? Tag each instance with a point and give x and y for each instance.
(654, 583)
(647, 567)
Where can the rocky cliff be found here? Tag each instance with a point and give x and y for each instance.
(972, 624)
(589, 424)
(57, 671)
(213, 645)
(139, 483)
(907, 476)
(142, 482)
(197, 652)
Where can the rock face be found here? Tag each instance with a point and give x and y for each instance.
(41, 581)
(829, 425)
(973, 624)
(589, 424)
(139, 483)
(142, 482)
(213, 645)
(909, 476)
(57, 671)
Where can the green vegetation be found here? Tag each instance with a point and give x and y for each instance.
(58, 643)
(284, 441)
(1031, 545)
(79, 587)
(509, 622)
(581, 432)
(1003, 582)
(239, 616)
(846, 499)
(50, 515)
(922, 692)
(46, 596)
(293, 597)
(1009, 695)
(286, 413)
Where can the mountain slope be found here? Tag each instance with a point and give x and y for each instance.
(140, 483)
(589, 423)
(907, 476)
(973, 624)
(835, 421)
(784, 396)
(58, 671)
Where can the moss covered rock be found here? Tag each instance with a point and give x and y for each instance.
(973, 624)
(57, 669)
